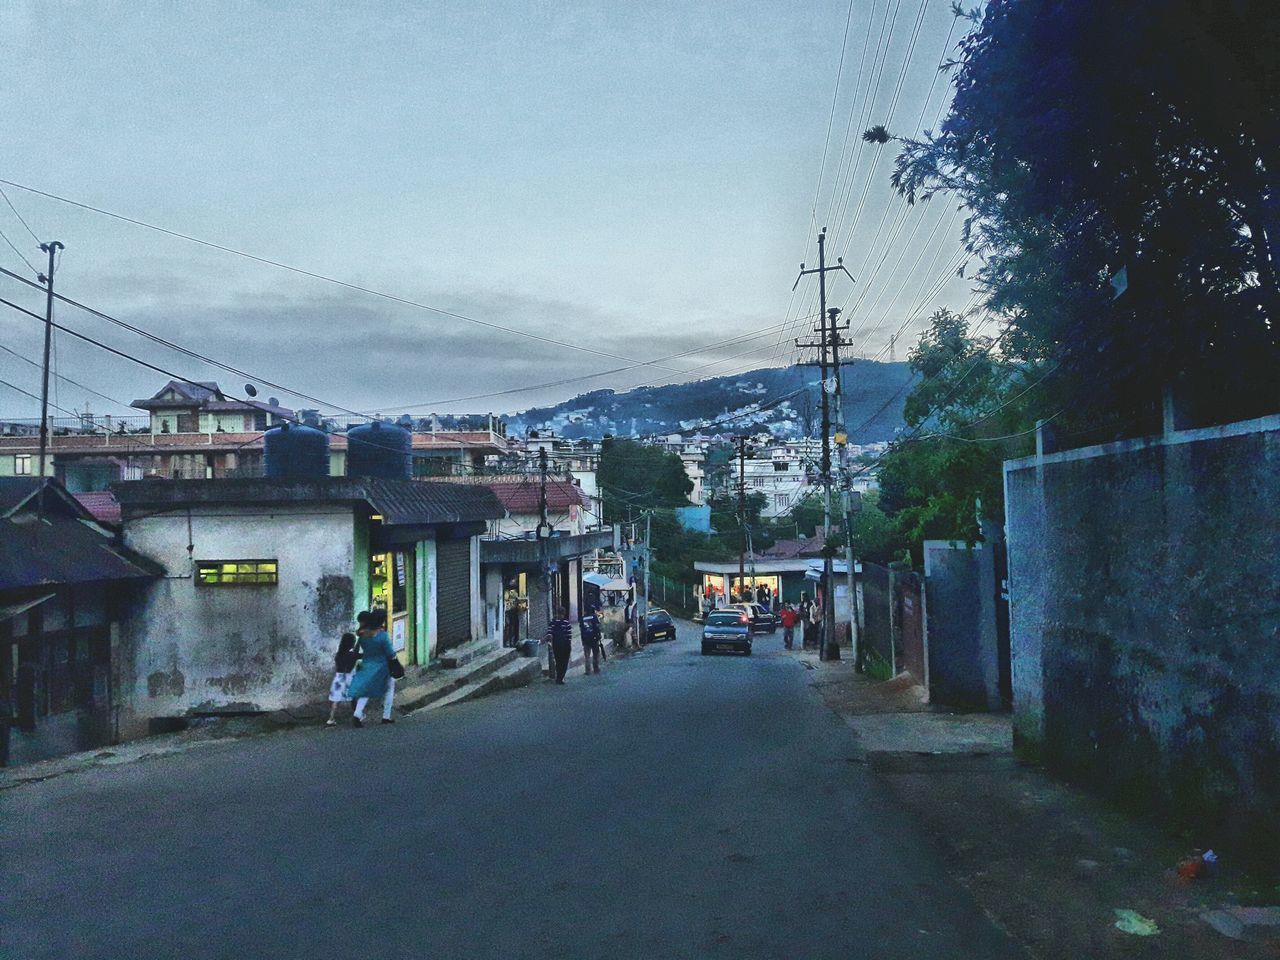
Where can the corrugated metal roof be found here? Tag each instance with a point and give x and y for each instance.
(61, 549)
(398, 501)
(14, 490)
(102, 504)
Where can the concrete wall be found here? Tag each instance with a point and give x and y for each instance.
(960, 585)
(194, 647)
(1144, 578)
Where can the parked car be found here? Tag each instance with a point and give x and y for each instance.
(659, 625)
(761, 619)
(727, 630)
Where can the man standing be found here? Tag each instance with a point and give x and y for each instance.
(560, 633)
(591, 637)
(788, 616)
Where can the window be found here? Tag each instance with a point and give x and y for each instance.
(235, 572)
(22, 465)
(781, 499)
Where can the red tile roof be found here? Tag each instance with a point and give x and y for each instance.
(103, 505)
(794, 549)
(522, 496)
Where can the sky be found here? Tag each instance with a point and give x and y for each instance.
(639, 181)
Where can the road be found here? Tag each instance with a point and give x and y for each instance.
(674, 806)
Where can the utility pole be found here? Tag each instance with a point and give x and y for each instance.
(741, 443)
(544, 534)
(47, 279)
(825, 344)
(643, 626)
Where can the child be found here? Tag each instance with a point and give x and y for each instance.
(344, 664)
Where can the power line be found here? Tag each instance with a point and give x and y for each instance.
(14, 248)
(19, 216)
(405, 301)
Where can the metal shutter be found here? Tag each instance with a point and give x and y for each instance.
(453, 593)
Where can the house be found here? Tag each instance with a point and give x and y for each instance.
(196, 431)
(523, 578)
(66, 585)
(262, 576)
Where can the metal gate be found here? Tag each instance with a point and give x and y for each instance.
(453, 592)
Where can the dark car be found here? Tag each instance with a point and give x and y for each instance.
(727, 630)
(659, 626)
(761, 618)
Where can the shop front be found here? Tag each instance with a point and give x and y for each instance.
(782, 581)
(393, 589)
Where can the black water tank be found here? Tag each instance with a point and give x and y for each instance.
(294, 452)
(380, 450)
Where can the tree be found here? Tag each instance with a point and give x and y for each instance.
(970, 410)
(1090, 138)
(639, 477)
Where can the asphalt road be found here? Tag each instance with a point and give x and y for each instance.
(674, 806)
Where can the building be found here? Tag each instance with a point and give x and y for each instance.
(66, 585)
(262, 576)
(513, 560)
(195, 431)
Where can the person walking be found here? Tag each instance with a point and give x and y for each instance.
(344, 666)
(788, 616)
(589, 625)
(373, 679)
(560, 634)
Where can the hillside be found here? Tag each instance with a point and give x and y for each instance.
(874, 395)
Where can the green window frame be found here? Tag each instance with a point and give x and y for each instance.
(234, 573)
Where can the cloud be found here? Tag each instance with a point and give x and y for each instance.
(359, 352)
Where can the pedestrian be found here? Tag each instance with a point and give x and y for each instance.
(374, 677)
(589, 625)
(560, 633)
(628, 623)
(762, 596)
(807, 626)
(344, 666)
(788, 616)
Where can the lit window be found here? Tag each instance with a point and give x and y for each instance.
(236, 572)
(22, 465)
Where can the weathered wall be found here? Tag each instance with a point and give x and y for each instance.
(961, 591)
(193, 648)
(1144, 586)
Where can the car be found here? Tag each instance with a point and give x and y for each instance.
(659, 626)
(727, 630)
(761, 618)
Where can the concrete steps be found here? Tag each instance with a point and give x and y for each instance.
(439, 683)
(474, 650)
(516, 673)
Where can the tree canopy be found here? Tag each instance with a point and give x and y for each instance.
(1092, 141)
(633, 475)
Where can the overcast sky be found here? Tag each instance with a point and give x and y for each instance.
(635, 178)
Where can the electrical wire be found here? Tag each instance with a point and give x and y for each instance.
(360, 288)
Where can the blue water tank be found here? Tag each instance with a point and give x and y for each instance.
(294, 452)
(380, 450)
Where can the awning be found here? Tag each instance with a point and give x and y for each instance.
(605, 583)
(16, 609)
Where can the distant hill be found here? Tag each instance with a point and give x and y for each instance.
(874, 395)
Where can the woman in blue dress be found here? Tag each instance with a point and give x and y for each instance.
(373, 678)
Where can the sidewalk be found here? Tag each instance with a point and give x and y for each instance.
(1049, 863)
(492, 668)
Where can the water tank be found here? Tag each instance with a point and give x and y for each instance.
(294, 452)
(380, 450)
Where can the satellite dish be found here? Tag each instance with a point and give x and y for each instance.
(250, 389)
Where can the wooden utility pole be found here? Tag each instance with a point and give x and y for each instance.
(825, 345)
(47, 279)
